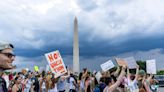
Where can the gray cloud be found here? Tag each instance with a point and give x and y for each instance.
(106, 27)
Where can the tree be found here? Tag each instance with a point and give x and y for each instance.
(160, 72)
(142, 64)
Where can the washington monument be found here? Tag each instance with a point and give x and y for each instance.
(76, 66)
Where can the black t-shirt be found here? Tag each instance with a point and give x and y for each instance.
(3, 87)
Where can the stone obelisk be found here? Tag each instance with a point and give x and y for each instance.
(76, 66)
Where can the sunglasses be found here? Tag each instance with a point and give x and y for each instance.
(9, 55)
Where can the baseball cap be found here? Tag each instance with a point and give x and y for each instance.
(141, 72)
(5, 45)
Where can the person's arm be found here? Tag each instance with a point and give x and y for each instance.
(66, 76)
(40, 83)
(14, 88)
(143, 79)
(26, 80)
(128, 74)
(47, 84)
(86, 86)
(115, 85)
(156, 81)
(149, 78)
(137, 70)
(146, 87)
(117, 71)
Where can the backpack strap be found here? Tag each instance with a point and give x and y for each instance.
(3, 84)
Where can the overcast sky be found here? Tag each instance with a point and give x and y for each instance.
(107, 28)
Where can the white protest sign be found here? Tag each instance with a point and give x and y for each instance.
(107, 65)
(151, 66)
(56, 63)
(131, 62)
(98, 76)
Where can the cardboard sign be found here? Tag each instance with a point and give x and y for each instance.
(107, 65)
(121, 62)
(151, 66)
(131, 62)
(98, 76)
(56, 63)
(36, 68)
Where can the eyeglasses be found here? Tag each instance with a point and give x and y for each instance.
(9, 55)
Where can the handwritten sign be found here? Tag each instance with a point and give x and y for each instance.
(56, 63)
(131, 62)
(107, 65)
(151, 66)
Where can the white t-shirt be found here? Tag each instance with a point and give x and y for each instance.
(61, 84)
(28, 85)
(6, 77)
(71, 80)
(132, 85)
(106, 89)
(54, 89)
(82, 86)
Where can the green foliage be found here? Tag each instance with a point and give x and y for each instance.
(142, 65)
(161, 72)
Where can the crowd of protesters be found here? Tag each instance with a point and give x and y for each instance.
(116, 80)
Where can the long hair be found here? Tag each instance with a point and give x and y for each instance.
(108, 80)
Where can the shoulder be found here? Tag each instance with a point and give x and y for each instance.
(14, 87)
(105, 89)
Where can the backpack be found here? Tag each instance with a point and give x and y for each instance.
(3, 85)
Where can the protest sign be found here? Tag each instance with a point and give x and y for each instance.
(98, 76)
(121, 62)
(36, 68)
(56, 63)
(151, 66)
(131, 62)
(107, 65)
